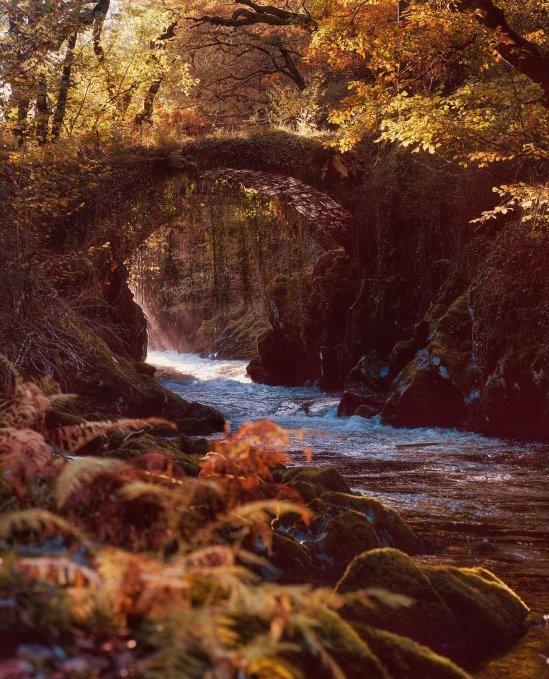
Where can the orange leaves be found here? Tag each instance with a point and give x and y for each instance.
(243, 462)
(73, 437)
(24, 456)
(256, 449)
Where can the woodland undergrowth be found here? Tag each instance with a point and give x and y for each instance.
(135, 568)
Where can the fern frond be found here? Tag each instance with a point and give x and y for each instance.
(60, 570)
(81, 471)
(264, 510)
(39, 521)
(23, 455)
(73, 437)
(138, 489)
(60, 400)
(25, 408)
(10, 369)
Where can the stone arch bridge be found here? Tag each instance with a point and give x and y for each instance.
(144, 189)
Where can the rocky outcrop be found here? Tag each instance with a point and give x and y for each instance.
(465, 613)
(514, 399)
(423, 395)
(365, 387)
(345, 525)
(479, 358)
(108, 384)
(312, 482)
(307, 315)
(284, 354)
(390, 528)
(126, 316)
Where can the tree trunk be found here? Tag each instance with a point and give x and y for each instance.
(42, 111)
(64, 88)
(20, 130)
(522, 54)
(145, 115)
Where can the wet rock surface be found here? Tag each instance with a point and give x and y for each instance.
(465, 613)
(457, 491)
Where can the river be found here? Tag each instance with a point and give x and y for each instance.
(477, 500)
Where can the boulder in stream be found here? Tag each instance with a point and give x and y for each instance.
(465, 613)
(422, 395)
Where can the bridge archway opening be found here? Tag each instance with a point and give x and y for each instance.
(203, 272)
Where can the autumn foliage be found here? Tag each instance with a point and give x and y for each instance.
(136, 563)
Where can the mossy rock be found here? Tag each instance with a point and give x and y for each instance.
(110, 385)
(390, 527)
(312, 482)
(357, 403)
(361, 651)
(457, 320)
(404, 658)
(422, 395)
(403, 352)
(368, 376)
(292, 559)
(352, 655)
(346, 535)
(465, 613)
(489, 613)
(192, 445)
(147, 443)
(427, 619)
(513, 401)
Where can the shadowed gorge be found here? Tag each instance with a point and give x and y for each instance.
(274, 303)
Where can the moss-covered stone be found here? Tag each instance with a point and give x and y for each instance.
(513, 401)
(357, 403)
(390, 527)
(110, 385)
(192, 445)
(311, 482)
(404, 658)
(427, 619)
(353, 655)
(346, 535)
(422, 395)
(403, 352)
(461, 612)
(292, 559)
(127, 448)
(489, 613)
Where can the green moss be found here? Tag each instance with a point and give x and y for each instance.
(489, 613)
(406, 659)
(147, 443)
(318, 480)
(403, 352)
(427, 619)
(391, 529)
(233, 333)
(353, 655)
(422, 395)
(292, 558)
(110, 385)
(193, 446)
(465, 613)
(347, 535)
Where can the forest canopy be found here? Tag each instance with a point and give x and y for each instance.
(469, 75)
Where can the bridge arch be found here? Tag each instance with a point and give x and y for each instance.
(156, 187)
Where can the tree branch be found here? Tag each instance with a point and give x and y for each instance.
(259, 14)
(525, 56)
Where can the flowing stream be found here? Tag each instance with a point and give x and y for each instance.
(477, 500)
